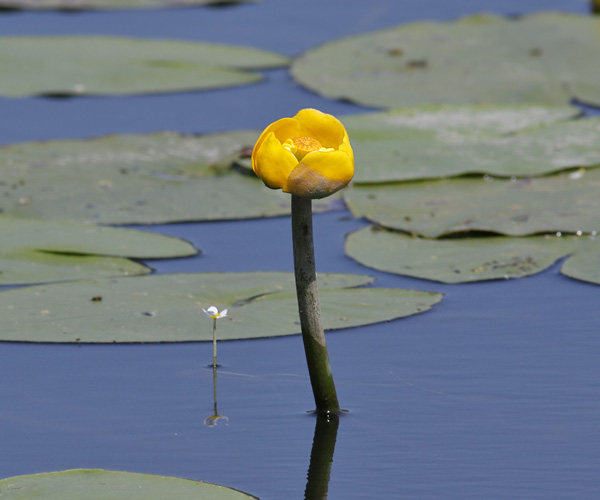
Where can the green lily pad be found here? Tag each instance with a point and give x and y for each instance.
(28, 266)
(468, 259)
(168, 308)
(99, 484)
(443, 141)
(102, 65)
(566, 202)
(107, 4)
(37, 251)
(86, 239)
(136, 179)
(545, 58)
(584, 265)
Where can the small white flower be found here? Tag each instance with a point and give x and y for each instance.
(577, 174)
(213, 313)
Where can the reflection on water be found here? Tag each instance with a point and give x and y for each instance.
(321, 456)
(213, 419)
(323, 447)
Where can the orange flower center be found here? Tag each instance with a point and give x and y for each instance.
(301, 146)
(306, 144)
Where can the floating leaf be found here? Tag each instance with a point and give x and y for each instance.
(102, 65)
(95, 484)
(108, 4)
(584, 265)
(136, 179)
(340, 308)
(75, 238)
(456, 122)
(168, 308)
(462, 260)
(542, 58)
(442, 141)
(26, 267)
(37, 251)
(567, 202)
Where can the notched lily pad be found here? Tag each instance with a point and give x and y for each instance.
(137, 179)
(584, 265)
(445, 141)
(566, 202)
(30, 266)
(94, 484)
(168, 308)
(86, 239)
(469, 259)
(108, 4)
(547, 58)
(38, 251)
(103, 65)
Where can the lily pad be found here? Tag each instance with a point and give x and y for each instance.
(468, 259)
(107, 4)
(37, 251)
(99, 484)
(86, 239)
(103, 65)
(136, 179)
(444, 141)
(547, 58)
(584, 265)
(566, 202)
(26, 267)
(168, 308)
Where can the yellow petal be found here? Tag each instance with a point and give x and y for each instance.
(334, 165)
(325, 128)
(280, 128)
(320, 174)
(345, 146)
(271, 162)
(286, 128)
(308, 183)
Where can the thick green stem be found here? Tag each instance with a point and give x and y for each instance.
(309, 308)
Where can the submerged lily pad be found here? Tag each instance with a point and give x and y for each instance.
(566, 202)
(95, 484)
(136, 179)
(541, 58)
(468, 259)
(108, 4)
(443, 141)
(102, 65)
(168, 308)
(37, 251)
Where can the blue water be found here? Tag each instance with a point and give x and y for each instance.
(493, 394)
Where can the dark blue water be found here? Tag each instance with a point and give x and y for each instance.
(493, 394)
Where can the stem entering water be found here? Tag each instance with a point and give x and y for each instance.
(317, 357)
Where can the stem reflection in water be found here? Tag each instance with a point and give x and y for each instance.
(212, 420)
(321, 456)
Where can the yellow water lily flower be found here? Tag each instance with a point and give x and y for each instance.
(308, 155)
